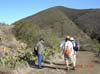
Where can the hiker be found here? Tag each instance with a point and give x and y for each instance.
(62, 47)
(74, 54)
(40, 52)
(68, 52)
(76, 47)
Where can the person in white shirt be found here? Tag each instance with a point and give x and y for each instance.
(63, 47)
(68, 44)
(74, 54)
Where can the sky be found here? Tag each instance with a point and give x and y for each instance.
(14, 10)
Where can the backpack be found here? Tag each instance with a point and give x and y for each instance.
(67, 51)
(36, 50)
(76, 46)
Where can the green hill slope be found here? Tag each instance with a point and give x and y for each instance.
(62, 21)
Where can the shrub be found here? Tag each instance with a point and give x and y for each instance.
(21, 57)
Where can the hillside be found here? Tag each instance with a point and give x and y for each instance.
(89, 23)
(8, 42)
(66, 21)
(86, 19)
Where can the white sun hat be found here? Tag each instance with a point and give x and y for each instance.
(71, 38)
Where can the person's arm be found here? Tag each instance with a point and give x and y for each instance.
(37, 46)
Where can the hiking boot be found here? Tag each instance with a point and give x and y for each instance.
(67, 68)
(39, 67)
(71, 64)
(73, 68)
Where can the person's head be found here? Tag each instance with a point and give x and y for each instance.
(67, 38)
(42, 40)
(71, 39)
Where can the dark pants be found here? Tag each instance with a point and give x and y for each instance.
(40, 59)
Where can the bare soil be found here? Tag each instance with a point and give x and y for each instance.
(87, 63)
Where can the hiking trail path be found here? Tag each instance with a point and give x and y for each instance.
(87, 63)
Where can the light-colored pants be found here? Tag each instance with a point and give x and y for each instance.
(71, 57)
(74, 60)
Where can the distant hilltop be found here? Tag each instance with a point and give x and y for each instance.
(61, 17)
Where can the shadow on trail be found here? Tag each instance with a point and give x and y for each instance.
(51, 66)
(47, 62)
(59, 64)
(96, 61)
(48, 65)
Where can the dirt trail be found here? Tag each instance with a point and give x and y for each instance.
(86, 64)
